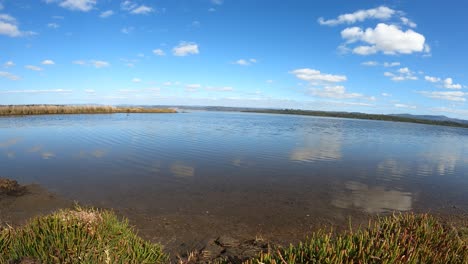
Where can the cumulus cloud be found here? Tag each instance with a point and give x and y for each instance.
(48, 62)
(408, 22)
(159, 52)
(446, 83)
(78, 5)
(107, 13)
(185, 48)
(312, 75)
(33, 68)
(9, 27)
(401, 74)
(9, 76)
(245, 62)
(388, 39)
(380, 13)
(456, 96)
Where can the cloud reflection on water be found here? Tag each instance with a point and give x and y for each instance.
(325, 146)
(179, 169)
(372, 199)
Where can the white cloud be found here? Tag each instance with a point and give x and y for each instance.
(432, 79)
(336, 92)
(53, 25)
(48, 62)
(401, 74)
(312, 75)
(185, 48)
(448, 83)
(270, 81)
(391, 64)
(388, 39)
(136, 80)
(245, 62)
(159, 52)
(36, 91)
(405, 106)
(142, 10)
(9, 76)
(220, 89)
(386, 94)
(107, 13)
(9, 27)
(100, 64)
(33, 68)
(89, 91)
(9, 64)
(128, 5)
(450, 96)
(451, 110)
(408, 22)
(380, 13)
(78, 5)
(370, 63)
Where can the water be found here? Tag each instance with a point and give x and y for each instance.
(241, 167)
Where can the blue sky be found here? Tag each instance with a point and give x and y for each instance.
(366, 56)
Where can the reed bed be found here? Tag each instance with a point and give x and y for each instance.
(77, 236)
(398, 239)
(8, 110)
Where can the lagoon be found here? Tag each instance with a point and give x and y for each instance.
(187, 176)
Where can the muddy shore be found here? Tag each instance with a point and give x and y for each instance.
(208, 236)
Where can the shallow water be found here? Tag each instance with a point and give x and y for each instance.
(243, 167)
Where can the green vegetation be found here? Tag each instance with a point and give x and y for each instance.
(399, 239)
(359, 116)
(93, 236)
(8, 110)
(77, 236)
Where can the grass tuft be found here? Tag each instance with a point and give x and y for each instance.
(404, 238)
(77, 236)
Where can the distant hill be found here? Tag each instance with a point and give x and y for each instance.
(433, 118)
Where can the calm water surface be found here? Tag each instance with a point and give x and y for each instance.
(239, 164)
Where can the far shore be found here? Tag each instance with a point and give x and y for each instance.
(21, 110)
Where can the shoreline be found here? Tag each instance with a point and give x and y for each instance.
(18, 208)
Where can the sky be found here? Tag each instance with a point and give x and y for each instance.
(372, 56)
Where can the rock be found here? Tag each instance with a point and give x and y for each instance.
(11, 187)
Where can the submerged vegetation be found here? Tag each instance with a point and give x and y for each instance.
(77, 236)
(7, 110)
(92, 236)
(394, 118)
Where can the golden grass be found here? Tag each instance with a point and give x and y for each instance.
(9, 110)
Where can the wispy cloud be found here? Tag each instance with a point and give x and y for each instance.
(36, 91)
(380, 13)
(33, 68)
(96, 63)
(106, 14)
(9, 27)
(245, 62)
(456, 96)
(159, 52)
(8, 64)
(53, 25)
(48, 62)
(76, 5)
(9, 76)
